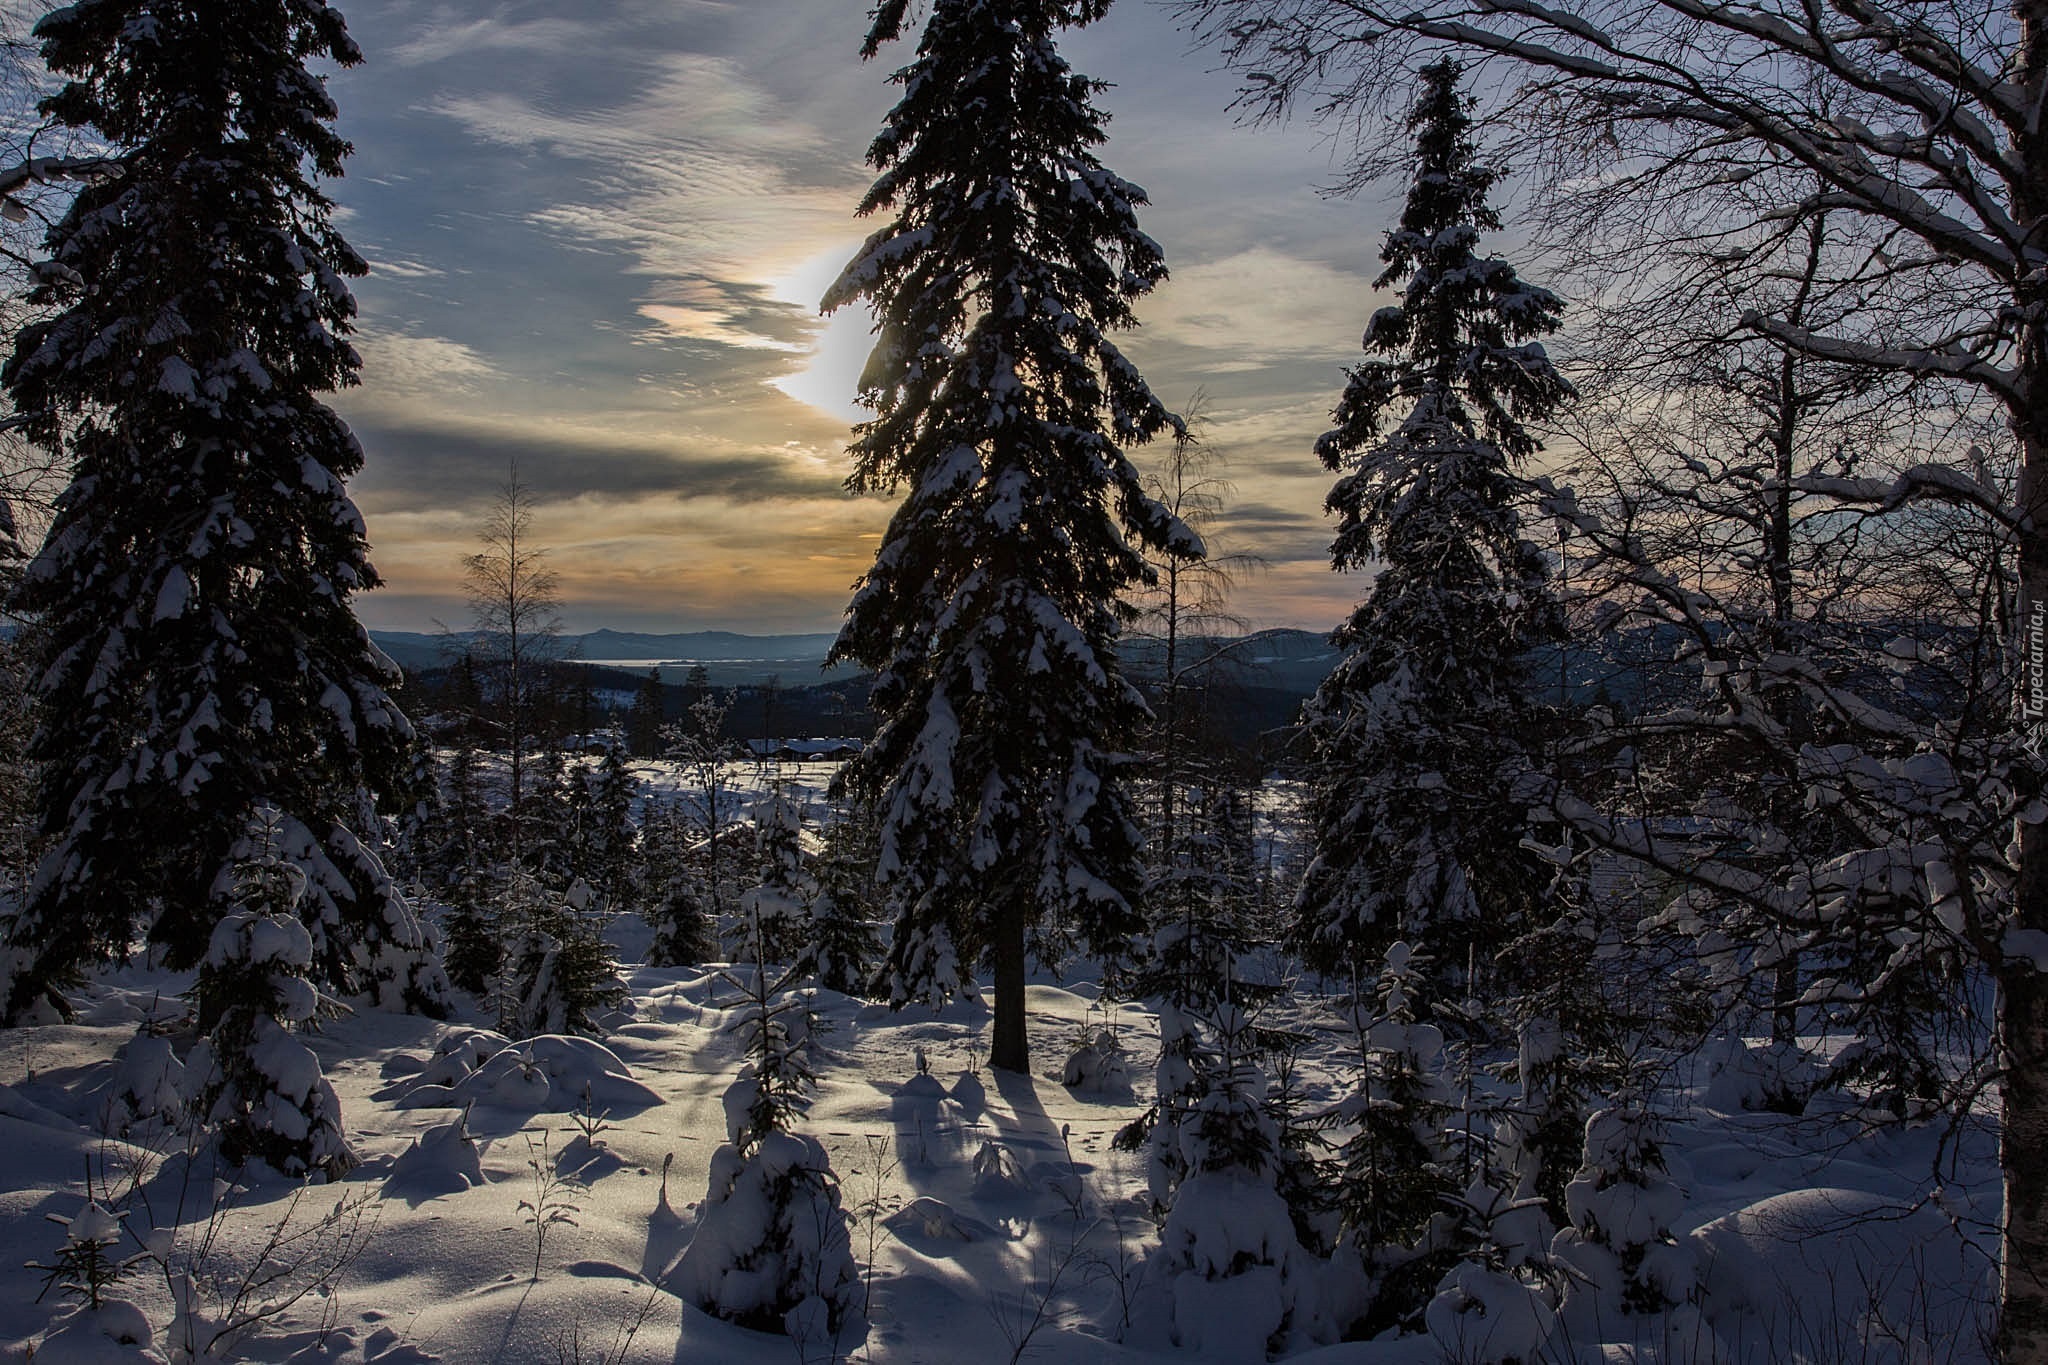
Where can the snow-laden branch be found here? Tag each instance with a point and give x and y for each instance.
(1953, 361)
(50, 170)
(1921, 483)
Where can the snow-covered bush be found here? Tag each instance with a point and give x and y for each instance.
(1622, 1206)
(773, 1248)
(1097, 1065)
(148, 1086)
(255, 1082)
(1774, 1076)
(997, 1174)
(1498, 1304)
(1239, 1282)
(559, 1073)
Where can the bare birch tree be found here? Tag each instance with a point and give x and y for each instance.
(1920, 123)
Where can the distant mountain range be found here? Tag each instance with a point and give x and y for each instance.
(730, 660)
(1284, 660)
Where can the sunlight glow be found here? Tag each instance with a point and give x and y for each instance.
(831, 378)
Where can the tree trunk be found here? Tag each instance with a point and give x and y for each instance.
(1007, 1049)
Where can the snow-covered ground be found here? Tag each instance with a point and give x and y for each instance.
(991, 1212)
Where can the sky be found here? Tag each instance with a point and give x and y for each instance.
(598, 232)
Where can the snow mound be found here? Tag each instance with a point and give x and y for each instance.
(558, 1073)
(15, 1105)
(934, 1220)
(115, 1333)
(922, 1086)
(1838, 1264)
(382, 1346)
(442, 1160)
(1488, 1317)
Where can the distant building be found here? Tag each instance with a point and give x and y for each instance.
(804, 750)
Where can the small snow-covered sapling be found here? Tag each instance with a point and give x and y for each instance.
(86, 1266)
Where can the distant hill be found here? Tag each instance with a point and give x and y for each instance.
(1291, 661)
(1253, 685)
(730, 659)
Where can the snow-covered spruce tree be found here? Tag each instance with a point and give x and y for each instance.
(414, 809)
(1764, 89)
(558, 974)
(1241, 1283)
(677, 905)
(1194, 895)
(97, 1325)
(460, 867)
(1417, 732)
(775, 913)
(543, 824)
(194, 588)
(259, 1086)
(1398, 1167)
(773, 1248)
(1575, 1014)
(1622, 1204)
(1497, 1305)
(705, 752)
(643, 724)
(845, 939)
(992, 611)
(605, 841)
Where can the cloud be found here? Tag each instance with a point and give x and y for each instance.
(421, 364)
(1265, 523)
(707, 183)
(650, 561)
(425, 454)
(1260, 305)
(440, 40)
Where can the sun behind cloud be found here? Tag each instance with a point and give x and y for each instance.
(830, 378)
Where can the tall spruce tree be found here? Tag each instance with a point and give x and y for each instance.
(992, 611)
(1416, 732)
(195, 586)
